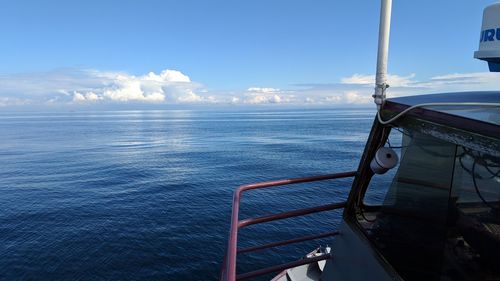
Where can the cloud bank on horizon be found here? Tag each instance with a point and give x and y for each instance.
(84, 86)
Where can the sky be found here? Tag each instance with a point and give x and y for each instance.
(95, 54)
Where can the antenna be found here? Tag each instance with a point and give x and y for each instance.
(383, 53)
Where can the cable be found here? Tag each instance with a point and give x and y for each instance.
(477, 189)
(395, 147)
(481, 160)
(433, 104)
(493, 174)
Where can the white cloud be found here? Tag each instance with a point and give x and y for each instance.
(448, 82)
(353, 97)
(66, 86)
(310, 100)
(263, 90)
(190, 97)
(168, 75)
(358, 79)
(263, 95)
(169, 85)
(332, 99)
(392, 80)
(90, 96)
(8, 101)
(130, 88)
(77, 97)
(260, 99)
(84, 86)
(360, 87)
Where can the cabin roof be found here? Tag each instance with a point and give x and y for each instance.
(481, 119)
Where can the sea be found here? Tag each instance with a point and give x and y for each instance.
(146, 194)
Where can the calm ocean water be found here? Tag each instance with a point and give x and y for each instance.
(146, 195)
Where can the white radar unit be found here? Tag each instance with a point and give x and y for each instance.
(489, 43)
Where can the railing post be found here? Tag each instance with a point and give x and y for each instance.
(233, 236)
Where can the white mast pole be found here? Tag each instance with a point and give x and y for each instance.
(383, 52)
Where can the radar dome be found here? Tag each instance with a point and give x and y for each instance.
(489, 44)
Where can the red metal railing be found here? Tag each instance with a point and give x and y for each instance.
(228, 271)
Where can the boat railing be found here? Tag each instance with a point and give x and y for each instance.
(228, 271)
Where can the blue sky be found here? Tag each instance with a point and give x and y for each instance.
(232, 52)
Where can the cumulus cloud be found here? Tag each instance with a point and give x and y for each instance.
(84, 86)
(190, 97)
(152, 87)
(88, 97)
(91, 86)
(259, 95)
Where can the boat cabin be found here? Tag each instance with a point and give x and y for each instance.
(437, 215)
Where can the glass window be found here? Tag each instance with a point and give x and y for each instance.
(440, 216)
(474, 229)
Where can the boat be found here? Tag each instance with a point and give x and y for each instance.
(439, 216)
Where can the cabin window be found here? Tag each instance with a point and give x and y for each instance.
(439, 219)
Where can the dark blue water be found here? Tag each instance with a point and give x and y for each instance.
(146, 195)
